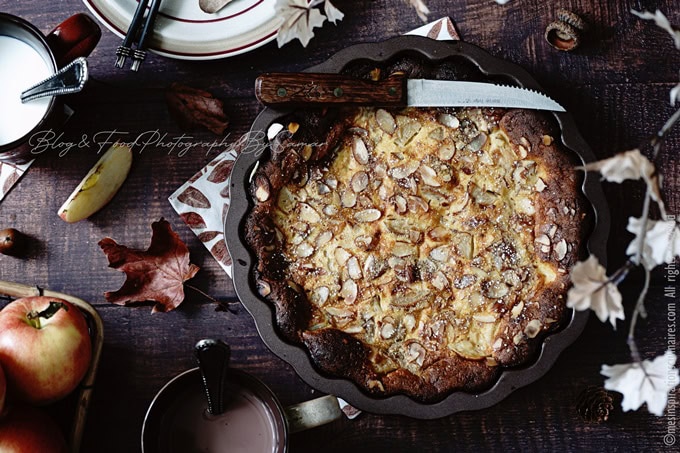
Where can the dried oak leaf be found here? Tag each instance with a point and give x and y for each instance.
(193, 108)
(156, 274)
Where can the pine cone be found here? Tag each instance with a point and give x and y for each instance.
(594, 404)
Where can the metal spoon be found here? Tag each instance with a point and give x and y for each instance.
(213, 360)
(70, 79)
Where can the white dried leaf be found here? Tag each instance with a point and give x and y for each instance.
(661, 21)
(675, 94)
(646, 382)
(333, 13)
(299, 20)
(629, 165)
(421, 9)
(592, 289)
(662, 241)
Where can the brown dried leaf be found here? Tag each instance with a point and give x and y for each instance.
(156, 274)
(193, 108)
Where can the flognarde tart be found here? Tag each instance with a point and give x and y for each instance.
(416, 251)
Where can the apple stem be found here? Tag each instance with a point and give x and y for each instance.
(51, 310)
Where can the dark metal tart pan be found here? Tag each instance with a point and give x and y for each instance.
(456, 60)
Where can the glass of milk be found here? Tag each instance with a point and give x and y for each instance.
(26, 59)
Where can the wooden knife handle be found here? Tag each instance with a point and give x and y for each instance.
(298, 89)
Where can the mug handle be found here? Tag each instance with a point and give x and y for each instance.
(313, 413)
(75, 37)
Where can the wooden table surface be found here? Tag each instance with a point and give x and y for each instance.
(616, 86)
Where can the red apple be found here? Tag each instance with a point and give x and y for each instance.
(27, 429)
(45, 348)
(3, 390)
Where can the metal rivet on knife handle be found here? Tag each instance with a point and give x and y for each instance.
(306, 88)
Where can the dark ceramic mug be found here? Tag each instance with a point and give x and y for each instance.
(254, 421)
(21, 42)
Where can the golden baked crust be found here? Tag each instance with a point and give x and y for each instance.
(417, 251)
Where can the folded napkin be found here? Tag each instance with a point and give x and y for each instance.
(10, 175)
(203, 201)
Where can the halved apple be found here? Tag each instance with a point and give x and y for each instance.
(99, 185)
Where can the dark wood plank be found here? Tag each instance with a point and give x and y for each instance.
(616, 86)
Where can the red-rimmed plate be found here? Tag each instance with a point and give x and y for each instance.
(185, 32)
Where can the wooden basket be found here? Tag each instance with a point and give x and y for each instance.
(18, 290)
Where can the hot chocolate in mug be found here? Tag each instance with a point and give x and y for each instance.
(28, 57)
(254, 421)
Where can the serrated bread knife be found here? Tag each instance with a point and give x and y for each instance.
(299, 89)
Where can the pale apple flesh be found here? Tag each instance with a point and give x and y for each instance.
(43, 359)
(99, 186)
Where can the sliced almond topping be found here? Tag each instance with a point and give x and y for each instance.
(416, 353)
(349, 199)
(438, 234)
(330, 210)
(440, 281)
(309, 214)
(446, 152)
(417, 204)
(263, 288)
(349, 291)
(323, 238)
(406, 170)
(387, 331)
(561, 250)
(400, 204)
(517, 309)
(342, 256)
(304, 250)
(409, 321)
(320, 295)
(353, 268)
(547, 140)
(449, 120)
(543, 239)
(340, 312)
(385, 121)
(523, 152)
(540, 185)
(383, 192)
(429, 176)
(359, 181)
(484, 317)
(517, 339)
(533, 328)
(360, 151)
(440, 253)
(368, 215)
(402, 249)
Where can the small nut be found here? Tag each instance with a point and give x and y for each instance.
(562, 36)
(533, 328)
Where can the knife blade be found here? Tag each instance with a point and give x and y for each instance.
(298, 89)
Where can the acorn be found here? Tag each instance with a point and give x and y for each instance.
(12, 242)
(565, 33)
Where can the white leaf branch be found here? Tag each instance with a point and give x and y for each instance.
(656, 242)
